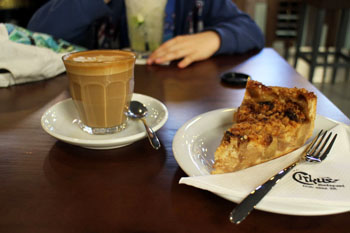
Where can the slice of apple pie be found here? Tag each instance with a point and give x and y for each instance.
(271, 122)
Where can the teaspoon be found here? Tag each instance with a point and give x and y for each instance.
(139, 111)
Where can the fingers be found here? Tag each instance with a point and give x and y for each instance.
(171, 50)
(189, 47)
(186, 61)
(174, 49)
(171, 55)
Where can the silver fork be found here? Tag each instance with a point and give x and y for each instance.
(315, 152)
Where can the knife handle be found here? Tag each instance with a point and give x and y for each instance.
(244, 208)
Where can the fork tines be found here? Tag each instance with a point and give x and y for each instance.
(317, 151)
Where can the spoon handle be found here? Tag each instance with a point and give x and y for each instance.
(153, 139)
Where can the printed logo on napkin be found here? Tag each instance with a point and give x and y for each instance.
(309, 181)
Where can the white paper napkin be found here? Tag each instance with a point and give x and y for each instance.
(26, 63)
(322, 184)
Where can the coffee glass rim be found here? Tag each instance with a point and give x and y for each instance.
(129, 56)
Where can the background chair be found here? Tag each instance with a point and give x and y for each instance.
(338, 27)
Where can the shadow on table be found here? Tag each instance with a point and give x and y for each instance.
(68, 165)
(95, 187)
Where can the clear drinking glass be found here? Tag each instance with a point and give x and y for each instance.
(101, 83)
(145, 24)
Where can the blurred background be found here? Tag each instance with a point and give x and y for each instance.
(315, 33)
(323, 28)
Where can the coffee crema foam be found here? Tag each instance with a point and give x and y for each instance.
(99, 58)
(99, 62)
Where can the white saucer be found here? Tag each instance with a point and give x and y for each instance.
(58, 122)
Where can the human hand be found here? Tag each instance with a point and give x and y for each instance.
(191, 48)
(106, 1)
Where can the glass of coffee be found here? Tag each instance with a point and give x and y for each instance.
(101, 83)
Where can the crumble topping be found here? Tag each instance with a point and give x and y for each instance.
(270, 122)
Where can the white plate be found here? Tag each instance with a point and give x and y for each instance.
(194, 145)
(58, 122)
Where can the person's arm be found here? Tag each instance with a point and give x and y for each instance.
(195, 47)
(227, 30)
(68, 19)
(237, 31)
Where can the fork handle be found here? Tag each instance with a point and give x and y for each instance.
(244, 208)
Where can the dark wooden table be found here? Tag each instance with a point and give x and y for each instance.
(50, 186)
